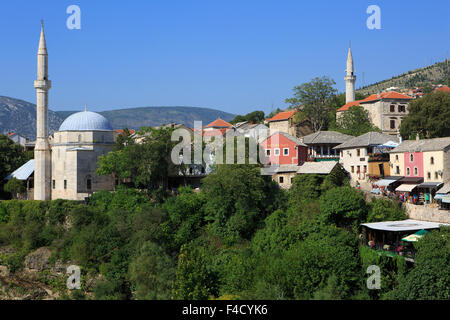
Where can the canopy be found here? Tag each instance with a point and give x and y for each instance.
(432, 185)
(416, 236)
(406, 187)
(389, 144)
(439, 196)
(384, 182)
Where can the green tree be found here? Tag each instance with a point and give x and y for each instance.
(195, 278)
(429, 279)
(237, 198)
(355, 122)
(428, 116)
(312, 99)
(385, 210)
(253, 117)
(344, 207)
(15, 187)
(12, 156)
(152, 273)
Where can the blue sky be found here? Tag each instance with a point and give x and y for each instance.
(237, 56)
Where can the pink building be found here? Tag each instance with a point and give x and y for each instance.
(413, 164)
(282, 148)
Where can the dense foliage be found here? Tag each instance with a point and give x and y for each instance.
(239, 237)
(12, 156)
(355, 122)
(428, 116)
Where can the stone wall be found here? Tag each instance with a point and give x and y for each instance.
(429, 213)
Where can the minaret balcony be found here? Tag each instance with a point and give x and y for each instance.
(42, 84)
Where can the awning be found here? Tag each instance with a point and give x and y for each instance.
(415, 180)
(416, 236)
(446, 199)
(406, 187)
(439, 196)
(430, 185)
(24, 172)
(384, 182)
(445, 188)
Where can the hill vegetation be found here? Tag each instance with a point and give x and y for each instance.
(437, 73)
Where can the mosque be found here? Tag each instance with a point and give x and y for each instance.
(64, 166)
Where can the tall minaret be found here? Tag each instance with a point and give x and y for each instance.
(42, 158)
(349, 78)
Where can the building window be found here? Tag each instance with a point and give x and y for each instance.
(365, 169)
(432, 160)
(429, 175)
(397, 170)
(276, 151)
(353, 169)
(392, 107)
(358, 169)
(89, 184)
(285, 151)
(54, 184)
(358, 152)
(392, 124)
(281, 179)
(411, 158)
(65, 184)
(396, 157)
(436, 176)
(267, 152)
(292, 180)
(408, 171)
(79, 138)
(416, 171)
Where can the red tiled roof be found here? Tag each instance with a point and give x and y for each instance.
(347, 106)
(11, 134)
(375, 97)
(219, 123)
(285, 115)
(214, 133)
(120, 131)
(443, 88)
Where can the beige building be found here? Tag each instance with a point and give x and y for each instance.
(357, 153)
(80, 140)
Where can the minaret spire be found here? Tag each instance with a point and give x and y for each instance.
(42, 161)
(350, 77)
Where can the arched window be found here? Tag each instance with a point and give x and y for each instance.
(432, 160)
(411, 158)
(416, 171)
(408, 171)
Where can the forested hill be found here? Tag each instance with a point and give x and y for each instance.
(20, 116)
(435, 73)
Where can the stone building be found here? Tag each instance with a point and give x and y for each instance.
(285, 122)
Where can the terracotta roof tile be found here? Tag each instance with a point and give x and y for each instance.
(285, 115)
(375, 97)
(219, 123)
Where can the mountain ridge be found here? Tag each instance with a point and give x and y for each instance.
(20, 116)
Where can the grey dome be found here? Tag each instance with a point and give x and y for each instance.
(86, 121)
